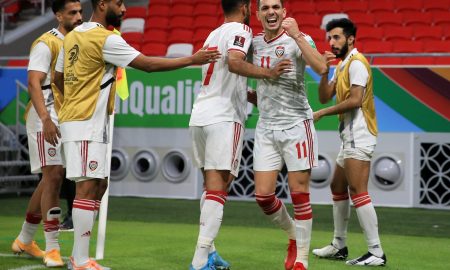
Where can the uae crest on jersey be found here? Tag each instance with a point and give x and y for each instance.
(51, 151)
(93, 165)
(279, 51)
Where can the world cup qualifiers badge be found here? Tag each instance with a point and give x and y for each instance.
(93, 165)
(239, 41)
(279, 51)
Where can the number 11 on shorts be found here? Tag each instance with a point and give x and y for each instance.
(299, 150)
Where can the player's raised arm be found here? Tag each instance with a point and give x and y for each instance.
(310, 54)
(238, 65)
(151, 64)
(327, 89)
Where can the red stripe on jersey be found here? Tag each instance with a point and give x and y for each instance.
(41, 149)
(237, 136)
(275, 38)
(311, 151)
(308, 136)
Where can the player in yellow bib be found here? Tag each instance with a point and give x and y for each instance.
(86, 70)
(43, 136)
(352, 83)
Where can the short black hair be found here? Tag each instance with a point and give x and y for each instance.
(259, 1)
(348, 27)
(230, 6)
(58, 5)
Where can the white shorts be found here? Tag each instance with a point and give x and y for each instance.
(297, 147)
(359, 153)
(42, 153)
(86, 160)
(218, 146)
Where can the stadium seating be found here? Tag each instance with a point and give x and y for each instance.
(136, 12)
(407, 5)
(417, 18)
(426, 33)
(133, 37)
(436, 5)
(181, 22)
(378, 47)
(363, 19)
(132, 25)
(389, 19)
(156, 23)
(350, 7)
(181, 10)
(327, 7)
(180, 50)
(180, 36)
(205, 9)
(158, 36)
(154, 49)
(398, 33)
(375, 6)
(407, 46)
(384, 26)
(437, 46)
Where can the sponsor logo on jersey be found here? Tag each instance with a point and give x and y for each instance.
(279, 51)
(239, 41)
(93, 165)
(51, 151)
(73, 55)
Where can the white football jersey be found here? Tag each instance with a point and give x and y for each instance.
(282, 103)
(223, 95)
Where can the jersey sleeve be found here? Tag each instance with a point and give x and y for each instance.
(358, 73)
(116, 51)
(310, 41)
(240, 39)
(40, 58)
(60, 61)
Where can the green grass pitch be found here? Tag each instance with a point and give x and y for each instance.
(160, 234)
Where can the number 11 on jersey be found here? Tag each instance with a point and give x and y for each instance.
(210, 70)
(267, 61)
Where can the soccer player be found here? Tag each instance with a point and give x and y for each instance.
(217, 120)
(285, 131)
(85, 70)
(43, 136)
(352, 83)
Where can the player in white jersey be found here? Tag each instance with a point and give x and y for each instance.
(86, 70)
(285, 131)
(352, 83)
(43, 137)
(217, 120)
